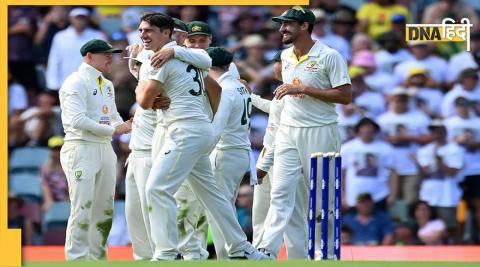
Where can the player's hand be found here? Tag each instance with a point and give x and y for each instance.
(161, 57)
(161, 102)
(124, 128)
(260, 175)
(296, 88)
(245, 83)
(134, 49)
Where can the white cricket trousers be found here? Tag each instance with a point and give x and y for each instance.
(136, 208)
(229, 168)
(186, 151)
(91, 176)
(191, 218)
(294, 228)
(291, 172)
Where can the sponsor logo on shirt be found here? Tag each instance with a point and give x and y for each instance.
(313, 66)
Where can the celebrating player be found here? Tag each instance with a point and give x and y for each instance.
(188, 140)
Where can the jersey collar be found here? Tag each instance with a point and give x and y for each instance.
(314, 52)
(89, 70)
(224, 76)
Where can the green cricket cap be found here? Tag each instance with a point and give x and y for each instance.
(180, 26)
(298, 14)
(220, 56)
(198, 28)
(98, 46)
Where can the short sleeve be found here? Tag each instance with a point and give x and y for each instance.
(160, 74)
(337, 69)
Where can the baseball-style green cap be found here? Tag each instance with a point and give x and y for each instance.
(180, 26)
(296, 13)
(98, 46)
(220, 56)
(198, 28)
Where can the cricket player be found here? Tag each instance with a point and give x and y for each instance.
(90, 118)
(192, 221)
(231, 157)
(146, 140)
(188, 140)
(261, 196)
(315, 77)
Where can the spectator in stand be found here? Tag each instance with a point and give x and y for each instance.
(360, 42)
(21, 29)
(398, 25)
(423, 57)
(405, 128)
(376, 79)
(467, 87)
(391, 52)
(64, 58)
(322, 33)
(423, 96)
(43, 120)
(369, 226)
(375, 17)
(368, 166)
(17, 220)
(17, 97)
(348, 117)
(464, 129)
(431, 230)
(464, 59)
(254, 62)
(331, 7)
(54, 181)
(370, 103)
(440, 163)
(454, 9)
(54, 21)
(343, 23)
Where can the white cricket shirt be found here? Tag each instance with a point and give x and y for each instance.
(232, 120)
(183, 84)
(322, 68)
(88, 106)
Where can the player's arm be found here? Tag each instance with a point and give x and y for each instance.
(146, 92)
(337, 71)
(341, 94)
(197, 57)
(257, 101)
(214, 92)
(134, 50)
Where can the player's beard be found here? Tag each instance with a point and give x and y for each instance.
(287, 39)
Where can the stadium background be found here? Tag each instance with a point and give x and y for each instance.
(249, 32)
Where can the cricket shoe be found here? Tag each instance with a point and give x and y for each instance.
(177, 258)
(251, 254)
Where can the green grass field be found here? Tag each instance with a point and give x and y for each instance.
(250, 264)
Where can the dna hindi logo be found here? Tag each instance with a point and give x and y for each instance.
(448, 31)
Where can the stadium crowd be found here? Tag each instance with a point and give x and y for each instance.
(411, 137)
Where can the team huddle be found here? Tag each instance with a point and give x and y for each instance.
(190, 146)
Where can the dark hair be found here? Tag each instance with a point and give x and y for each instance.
(367, 121)
(433, 213)
(164, 22)
(310, 28)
